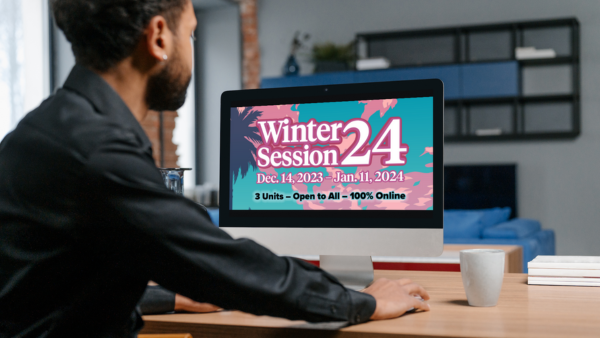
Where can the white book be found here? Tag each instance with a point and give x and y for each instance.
(488, 132)
(373, 63)
(565, 262)
(561, 283)
(524, 53)
(564, 272)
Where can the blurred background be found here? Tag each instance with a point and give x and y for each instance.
(520, 77)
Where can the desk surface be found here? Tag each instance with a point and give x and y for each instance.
(522, 311)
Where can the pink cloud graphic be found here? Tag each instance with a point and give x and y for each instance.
(374, 106)
(428, 150)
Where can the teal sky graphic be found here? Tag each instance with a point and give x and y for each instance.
(417, 133)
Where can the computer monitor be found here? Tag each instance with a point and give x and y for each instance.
(337, 170)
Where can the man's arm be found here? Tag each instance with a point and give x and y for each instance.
(167, 238)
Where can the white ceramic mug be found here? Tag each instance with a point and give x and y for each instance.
(482, 274)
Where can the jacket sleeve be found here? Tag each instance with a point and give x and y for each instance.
(157, 299)
(168, 239)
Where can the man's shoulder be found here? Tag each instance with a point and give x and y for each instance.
(70, 120)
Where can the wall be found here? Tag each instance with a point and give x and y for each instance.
(556, 179)
(151, 126)
(250, 44)
(63, 58)
(219, 63)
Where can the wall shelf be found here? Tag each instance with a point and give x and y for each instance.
(487, 90)
(545, 103)
(517, 137)
(550, 61)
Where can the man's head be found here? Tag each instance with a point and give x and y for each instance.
(154, 35)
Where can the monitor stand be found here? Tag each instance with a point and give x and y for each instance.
(355, 272)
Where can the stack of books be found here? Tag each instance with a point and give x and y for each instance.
(564, 270)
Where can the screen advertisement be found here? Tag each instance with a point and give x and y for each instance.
(347, 155)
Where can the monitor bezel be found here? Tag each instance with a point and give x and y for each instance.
(351, 219)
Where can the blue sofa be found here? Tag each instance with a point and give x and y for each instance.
(492, 226)
(488, 227)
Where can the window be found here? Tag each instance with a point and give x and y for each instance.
(24, 59)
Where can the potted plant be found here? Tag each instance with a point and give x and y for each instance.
(329, 57)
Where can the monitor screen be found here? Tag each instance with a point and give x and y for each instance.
(344, 156)
(319, 156)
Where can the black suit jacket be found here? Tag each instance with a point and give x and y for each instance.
(86, 222)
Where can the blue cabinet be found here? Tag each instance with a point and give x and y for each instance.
(481, 80)
(461, 81)
(450, 75)
(311, 80)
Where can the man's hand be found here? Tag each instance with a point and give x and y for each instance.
(395, 297)
(185, 304)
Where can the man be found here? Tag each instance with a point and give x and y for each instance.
(86, 222)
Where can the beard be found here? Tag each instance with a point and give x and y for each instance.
(167, 89)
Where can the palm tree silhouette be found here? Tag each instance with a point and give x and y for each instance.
(243, 150)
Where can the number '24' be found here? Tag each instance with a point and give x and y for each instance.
(388, 141)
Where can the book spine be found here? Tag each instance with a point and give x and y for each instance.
(564, 272)
(565, 279)
(563, 283)
(571, 266)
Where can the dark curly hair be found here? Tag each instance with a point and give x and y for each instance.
(104, 32)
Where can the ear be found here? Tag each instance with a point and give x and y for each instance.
(159, 39)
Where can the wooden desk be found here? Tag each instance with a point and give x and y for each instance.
(522, 311)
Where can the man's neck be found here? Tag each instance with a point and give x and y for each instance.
(130, 84)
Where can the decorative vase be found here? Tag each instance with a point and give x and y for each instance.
(291, 67)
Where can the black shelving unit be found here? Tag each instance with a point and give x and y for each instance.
(548, 102)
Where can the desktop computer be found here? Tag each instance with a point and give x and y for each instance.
(342, 171)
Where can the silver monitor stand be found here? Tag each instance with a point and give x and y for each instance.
(355, 272)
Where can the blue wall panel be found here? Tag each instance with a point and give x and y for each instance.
(496, 79)
(450, 75)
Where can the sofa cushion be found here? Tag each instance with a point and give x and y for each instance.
(495, 216)
(490, 217)
(462, 224)
(513, 229)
